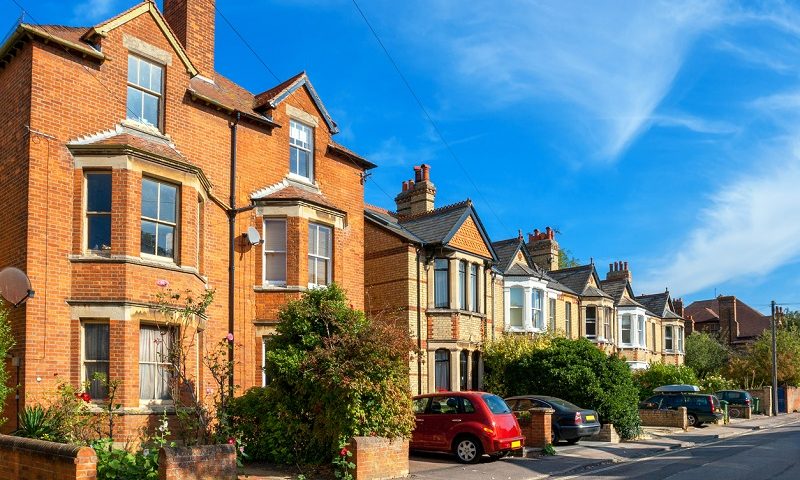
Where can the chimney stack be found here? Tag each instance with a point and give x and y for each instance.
(677, 305)
(728, 321)
(193, 24)
(544, 248)
(618, 270)
(418, 195)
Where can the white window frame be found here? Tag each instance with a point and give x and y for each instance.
(158, 94)
(321, 257)
(641, 331)
(463, 279)
(622, 329)
(551, 314)
(265, 252)
(521, 307)
(296, 143)
(538, 323)
(671, 330)
(568, 318)
(680, 338)
(473, 285)
(175, 225)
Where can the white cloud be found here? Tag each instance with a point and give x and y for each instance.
(612, 64)
(93, 10)
(751, 227)
(695, 124)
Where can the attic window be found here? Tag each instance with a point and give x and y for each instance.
(145, 86)
(301, 150)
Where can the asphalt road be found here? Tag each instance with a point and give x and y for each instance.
(769, 454)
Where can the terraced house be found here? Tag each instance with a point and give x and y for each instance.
(431, 269)
(129, 166)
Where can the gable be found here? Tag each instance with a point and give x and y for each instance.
(469, 239)
(135, 12)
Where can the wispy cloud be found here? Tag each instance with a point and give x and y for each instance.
(93, 10)
(393, 151)
(695, 124)
(611, 64)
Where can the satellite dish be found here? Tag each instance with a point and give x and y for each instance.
(253, 238)
(15, 287)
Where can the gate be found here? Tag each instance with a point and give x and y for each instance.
(781, 399)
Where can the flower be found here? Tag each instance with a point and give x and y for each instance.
(344, 452)
(229, 337)
(162, 283)
(241, 449)
(84, 396)
(231, 441)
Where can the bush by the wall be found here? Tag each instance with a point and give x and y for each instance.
(6, 344)
(577, 371)
(333, 375)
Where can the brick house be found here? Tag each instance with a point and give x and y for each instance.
(668, 327)
(534, 302)
(128, 163)
(733, 321)
(430, 269)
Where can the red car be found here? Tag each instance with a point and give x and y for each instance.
(467, 424)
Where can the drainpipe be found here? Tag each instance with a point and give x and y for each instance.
(419, 324)
(232, 245)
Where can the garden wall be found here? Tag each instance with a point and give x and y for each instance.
(664, 418)
(30, 459)
(792, 399)
(537, 427)
(607, 433)
(207, 462)
(379, 458)
(765, 396)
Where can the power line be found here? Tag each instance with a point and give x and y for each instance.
(271, 72)
(425, 112)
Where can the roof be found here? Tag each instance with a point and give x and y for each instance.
(287, 190)
(520, 270)
(751, 321)
(270, 99)
(659, 304)
(577, 280)
(122, 135)
(223, 93)
(629, 302)
(387, 220)
(67, 37)
(345, 152)
(506, 251)
(615, 287)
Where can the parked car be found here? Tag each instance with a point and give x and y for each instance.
(570, 422)
(700, 407)
(737, 401)
(467, 424)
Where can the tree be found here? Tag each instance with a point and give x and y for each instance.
(663, 374)
(791, 319)
(6, 344)
(566, 260)
(754, 368)
(579, 372)
(705, 354)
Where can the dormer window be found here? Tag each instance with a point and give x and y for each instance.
(301, 150)
(145, 87)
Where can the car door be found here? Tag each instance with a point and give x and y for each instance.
(444, 414)
(419, 435)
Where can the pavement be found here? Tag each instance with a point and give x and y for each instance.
(570, 460)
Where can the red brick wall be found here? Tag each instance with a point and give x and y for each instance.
(664, 418)
(64, 101)
(29, 459)
(537, 428)
(792, 399)
(378, 457)
(208, 462)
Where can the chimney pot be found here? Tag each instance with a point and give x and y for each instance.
(626, 266)
(611, 267)
(417, 173)
(405, 186)
(536, 232)
(426, 172)
(547, 229)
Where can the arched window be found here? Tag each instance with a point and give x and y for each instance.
(463, 367)
(442, 370)
(476, 368)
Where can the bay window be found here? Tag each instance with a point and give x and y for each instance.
(591, 322)
(473, 282)
(159, 218)
(154, 362)
(641, 340)
(98, 211)
(441, 283)
(537, 315)
(319, 254)
(442, 370)
(464, 369)
(517, 307)
(462, 285)
(668, 338)
(275, 251)
(551, 313)
(96, 357)
(568, 318)
(626, 328)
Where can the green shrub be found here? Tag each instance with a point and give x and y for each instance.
(37, 422)
(6, 344)
(579, 372)
(705, 354)
(333, 375)
(505, 351)
(659, 374)
(715, 383)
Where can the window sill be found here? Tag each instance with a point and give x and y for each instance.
(279, 288)
(164, 265)
(301, 179)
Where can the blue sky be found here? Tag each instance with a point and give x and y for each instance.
(664, 134)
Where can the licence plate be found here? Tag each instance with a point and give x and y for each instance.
(590, 418)
(516, 444)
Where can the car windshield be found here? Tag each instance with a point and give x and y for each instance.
(496, 404)
(563, 404)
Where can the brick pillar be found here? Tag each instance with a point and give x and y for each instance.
(538, 433)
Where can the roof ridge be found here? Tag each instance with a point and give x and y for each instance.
(452, 206)
(572, 268)
(379, 209)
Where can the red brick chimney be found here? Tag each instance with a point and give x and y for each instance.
(677, 306)
(544, 248)
(418, 195)
(193, 24)
(728, 323)
(619, 270)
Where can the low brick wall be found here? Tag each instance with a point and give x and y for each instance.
(739, 411)
(537, 427)
(607, 433)
(792, 399)
(765, 397)
(29, 459)
(379, 458)
(664, 418)
(205, 462)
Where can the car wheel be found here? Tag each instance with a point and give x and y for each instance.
(468, 449)
(573, 441)
(692, 418)
(554, 438)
